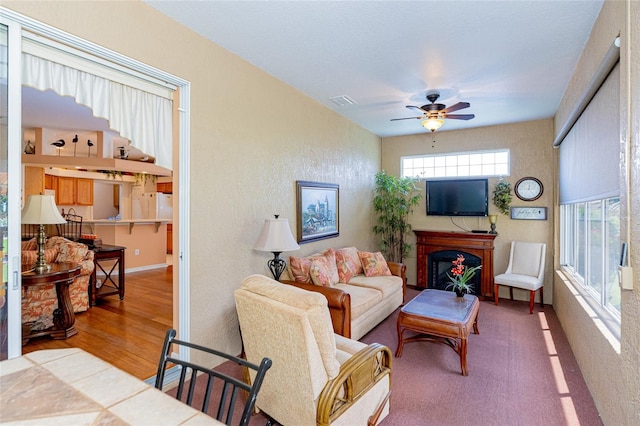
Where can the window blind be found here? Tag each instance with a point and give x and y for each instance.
(590, 153)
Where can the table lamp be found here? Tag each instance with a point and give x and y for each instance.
(276, 237)
(41, 210)
(493, 218)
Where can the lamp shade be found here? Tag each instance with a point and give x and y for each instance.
(276, 237)
(41, 210)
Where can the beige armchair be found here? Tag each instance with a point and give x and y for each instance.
(317, 377)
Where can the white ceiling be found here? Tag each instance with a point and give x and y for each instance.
(511, 60)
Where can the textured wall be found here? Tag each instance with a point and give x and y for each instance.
(252, 137)
(529, 144)
(610, 368)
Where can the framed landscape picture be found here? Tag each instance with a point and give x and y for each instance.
(317, 211)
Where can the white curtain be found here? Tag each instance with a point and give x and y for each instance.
(142, 117)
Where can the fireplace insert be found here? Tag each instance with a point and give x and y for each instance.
(440, 265)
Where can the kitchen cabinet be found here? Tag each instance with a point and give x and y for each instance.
(33, 181)
(66, 193)
(51, 182)
(165, 187)
(74, 191)
(84, 192)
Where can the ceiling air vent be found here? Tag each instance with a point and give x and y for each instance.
(343, 100)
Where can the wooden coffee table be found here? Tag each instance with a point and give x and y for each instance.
(442, 317)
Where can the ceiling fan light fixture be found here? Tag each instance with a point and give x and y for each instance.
(432, 124)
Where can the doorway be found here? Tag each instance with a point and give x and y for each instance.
(180, 149)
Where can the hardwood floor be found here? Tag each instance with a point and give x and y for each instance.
(126, 333)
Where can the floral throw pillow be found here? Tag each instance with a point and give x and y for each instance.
(330, 255)
(348, 263)
(321, 272)
(299, 267)
(71, 253)
(374, 264)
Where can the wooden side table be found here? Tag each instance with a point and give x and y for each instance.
(110, 284)
(62, 275)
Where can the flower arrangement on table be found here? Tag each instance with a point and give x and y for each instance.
(462, 274)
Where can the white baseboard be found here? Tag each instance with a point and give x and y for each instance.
(146, 268)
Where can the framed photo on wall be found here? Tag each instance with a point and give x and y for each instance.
(317, 210)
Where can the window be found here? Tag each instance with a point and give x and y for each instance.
(457, 164)
(590, 202)
(590, 249)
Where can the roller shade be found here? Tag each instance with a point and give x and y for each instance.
(589, 164)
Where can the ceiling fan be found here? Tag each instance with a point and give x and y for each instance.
(433, 114)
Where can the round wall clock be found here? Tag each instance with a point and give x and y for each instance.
(528, 189)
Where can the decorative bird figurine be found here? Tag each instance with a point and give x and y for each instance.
(123, 153)
(30, 148)
(75, 143)
(89, 144)
(58, 144)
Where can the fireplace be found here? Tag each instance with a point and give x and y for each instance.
(475, 247)
(440, 265)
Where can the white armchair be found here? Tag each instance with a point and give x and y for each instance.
(317, 377)
(525, 270)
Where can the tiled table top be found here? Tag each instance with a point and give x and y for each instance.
(70, 386)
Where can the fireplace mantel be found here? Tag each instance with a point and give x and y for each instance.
(478, 244)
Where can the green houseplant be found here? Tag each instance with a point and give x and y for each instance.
(502, 196)
(393, 202)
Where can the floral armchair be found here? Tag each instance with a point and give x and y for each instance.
(38, 303)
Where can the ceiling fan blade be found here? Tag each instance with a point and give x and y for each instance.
(456, 107)
(407, 118)
(416, 107)
(460, 116)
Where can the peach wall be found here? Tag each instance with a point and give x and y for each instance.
(529, 144)
(244, 161)
(149, 241)
(610, 367)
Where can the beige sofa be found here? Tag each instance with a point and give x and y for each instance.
(357, 303)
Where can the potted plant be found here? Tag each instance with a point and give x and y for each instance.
(502, 196)
(393, 203)
(462, 274)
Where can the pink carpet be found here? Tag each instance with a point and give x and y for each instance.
(521, 372)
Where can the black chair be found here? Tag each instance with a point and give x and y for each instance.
(218, 384)
(29, 231)
(72, 230)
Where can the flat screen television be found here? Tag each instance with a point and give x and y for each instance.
(457, 197)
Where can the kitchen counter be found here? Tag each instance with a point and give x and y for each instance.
(71, 386)
(129, 222)
(145, 240)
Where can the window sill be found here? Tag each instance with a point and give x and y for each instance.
(604, 321)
